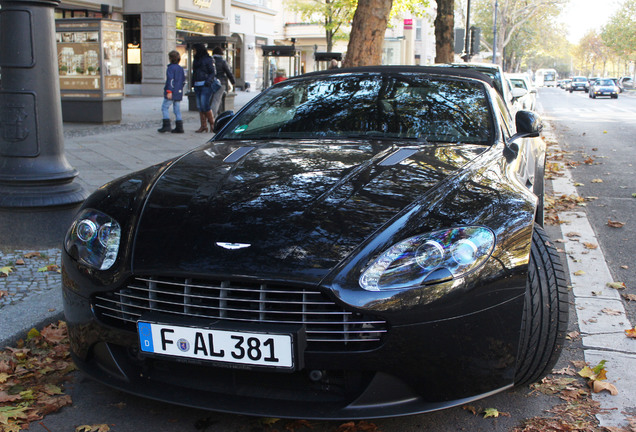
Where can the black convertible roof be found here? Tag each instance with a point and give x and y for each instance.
(426, 70)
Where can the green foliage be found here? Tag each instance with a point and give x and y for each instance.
(335, 16)
(619, 34)
(526, 31)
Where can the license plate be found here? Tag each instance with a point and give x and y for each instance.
(234, 347)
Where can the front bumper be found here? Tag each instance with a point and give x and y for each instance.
(418, 368)
(604, 92)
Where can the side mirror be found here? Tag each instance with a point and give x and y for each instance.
(529, 124)
(519, 92)
(222, 119)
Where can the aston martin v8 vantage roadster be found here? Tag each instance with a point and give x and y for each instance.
(353, 243)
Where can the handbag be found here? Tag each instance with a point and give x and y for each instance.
(216, 85)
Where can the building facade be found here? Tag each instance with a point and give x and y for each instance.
(152, 28)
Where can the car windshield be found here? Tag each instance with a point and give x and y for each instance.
(606, 82)
(579, 79)
(518, 83)
(387, 106)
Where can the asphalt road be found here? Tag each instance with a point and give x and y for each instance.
(600, 138)
(581, 125)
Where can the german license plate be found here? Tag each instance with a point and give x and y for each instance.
(235, 347)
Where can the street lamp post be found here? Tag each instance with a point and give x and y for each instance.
(466, 55)
(34, 173)
(494, 35)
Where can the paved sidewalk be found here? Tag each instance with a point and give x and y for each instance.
(30, 293)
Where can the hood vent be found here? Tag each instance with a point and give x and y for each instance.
(397, 157)
(238, 154)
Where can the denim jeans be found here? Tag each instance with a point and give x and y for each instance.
(176, 107)
(203, 95)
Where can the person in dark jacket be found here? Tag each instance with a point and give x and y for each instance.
(173, 94)
(203, 76)
(224, 74)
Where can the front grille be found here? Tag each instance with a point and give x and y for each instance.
(329, 327)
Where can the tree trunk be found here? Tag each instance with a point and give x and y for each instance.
(445, 32)
(367, 33)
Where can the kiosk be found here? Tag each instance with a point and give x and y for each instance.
(90, 53)
(228, 43)
(279, 62)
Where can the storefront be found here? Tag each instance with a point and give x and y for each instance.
(151, 29)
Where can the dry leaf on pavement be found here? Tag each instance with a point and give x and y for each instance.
(615, 224)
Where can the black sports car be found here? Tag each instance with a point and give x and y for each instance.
(355, 243)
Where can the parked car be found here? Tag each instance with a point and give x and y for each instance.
(356, 243)
(565, 84)
(626, 83)
(496, 74)
(528, 99)
(579, 83)
(604, 87)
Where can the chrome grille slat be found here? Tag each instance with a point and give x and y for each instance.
(156, 304)
(188, 294)
(328, 326)
(324, 323)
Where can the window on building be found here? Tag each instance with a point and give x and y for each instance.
(132, 41)
(418, 29)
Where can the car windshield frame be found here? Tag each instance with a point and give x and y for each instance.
(370, 105)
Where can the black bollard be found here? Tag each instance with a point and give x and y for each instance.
(36, 180)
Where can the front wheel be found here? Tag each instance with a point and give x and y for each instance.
(545, 312)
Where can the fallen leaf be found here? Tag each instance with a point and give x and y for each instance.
(597, 180)
(590, 245)
(268, 421)
(298, 424)
(579, 273)
(470, 408)
(615, 224)
(566, 370)
(629, 297)
(93, 428)
(612, 312)
(4, 271)
(361, 426)
(5, 397)
(573, 335)
(32, 254)
(19, 261)
(493, 412)
(616, 285)
(599, 386)
(579, 184)
(573, 234)
(3, 293)
(625, 267)
(631, 333)
(50, 267)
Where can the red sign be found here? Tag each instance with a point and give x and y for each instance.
(408, 24)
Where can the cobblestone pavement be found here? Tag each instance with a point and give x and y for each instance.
(27, 273)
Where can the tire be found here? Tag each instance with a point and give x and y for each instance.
(545, 312)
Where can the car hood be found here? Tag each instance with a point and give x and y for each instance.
(283, 210)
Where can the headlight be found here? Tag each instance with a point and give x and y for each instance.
(429, 258)
(93, 239)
